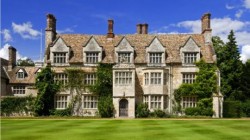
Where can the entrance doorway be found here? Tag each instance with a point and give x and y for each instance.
(123, 108)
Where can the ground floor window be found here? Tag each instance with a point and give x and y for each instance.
(18, 89)
(90, 102)
(155, 101)
(61, 101)
(188, 101)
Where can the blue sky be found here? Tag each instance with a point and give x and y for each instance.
(23, 21)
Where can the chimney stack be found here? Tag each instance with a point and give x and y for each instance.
(145, 28)
(142, 28)
(12, 58)
(51, 23)
(205, 23)
(110, 33)
(139, 28)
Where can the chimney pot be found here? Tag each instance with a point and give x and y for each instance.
(12, 58)
(110, 33)
(145, 28)
(139, 28)
(205, 22)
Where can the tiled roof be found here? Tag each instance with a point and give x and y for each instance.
(172, 43)
(29, 78)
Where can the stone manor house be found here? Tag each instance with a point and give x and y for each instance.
(147, 67)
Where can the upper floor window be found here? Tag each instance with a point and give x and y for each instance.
(18, 89)
(155, 58)
(190, 58)
(59, 58)
(123, 78)
(188, 78)
(92, 57)
(155, 78)
(61, 78)
(123, 57)
(146, 78)
(90, 79)
(61, 101)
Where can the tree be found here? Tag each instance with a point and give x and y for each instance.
(76, 86)
(230, 67)
(25, 62)
(204, 87)
(246, 80)
(47, 89)
(104, 89)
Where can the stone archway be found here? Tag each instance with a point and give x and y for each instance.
(123, 108)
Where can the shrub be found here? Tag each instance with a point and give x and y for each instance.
(158, 113)
(105, 106)
(64, 112)
(198, 111)
(246, 108)
(142, 111)
(232, 109)
(19, 105)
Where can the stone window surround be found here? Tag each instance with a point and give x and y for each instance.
(18, 90)
(164, 77)
(124, 57)
(61, 78)
(188, 77)
(89, 78)
(161, 101)
(61, 101)
(20, 74)
(188, 101)
(123, 78)
(59, 58)
(89, 102)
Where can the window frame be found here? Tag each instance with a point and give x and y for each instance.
(155, 57)
(188, 78)
(90, 78)
(190, 57)
(189, 101)
(123, 78)
(61, 78)
(61, 101)
(59, 57)
(90, 102)
(127, 56)
(92, 57)
(18, 90)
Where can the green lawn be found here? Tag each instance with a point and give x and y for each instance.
(135, 129)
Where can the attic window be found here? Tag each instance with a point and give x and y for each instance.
(155, 58)
(92, 57)
(21, 74)
(123, 57)
(190, 58)
(59, 58)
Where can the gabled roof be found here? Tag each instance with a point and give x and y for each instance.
(29, 79)
(172, 43)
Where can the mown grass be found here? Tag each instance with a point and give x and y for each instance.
(112, 129)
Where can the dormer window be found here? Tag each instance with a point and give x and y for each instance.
(124, 57)
(155, 53)
(155, 58)
(124, 52)
(92, 57)
(59, 58)
(190, 58)
(92, 52)
(20, 74)
(190, 52)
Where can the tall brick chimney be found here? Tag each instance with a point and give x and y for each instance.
(12, 58)
(142, 28)
(205, 28)
(110, 33)
(139, 28)
(50, 33)
(205, 23)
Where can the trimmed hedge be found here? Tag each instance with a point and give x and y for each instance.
(64, 112)
(232, 109)
(159, 114)
(198, 111)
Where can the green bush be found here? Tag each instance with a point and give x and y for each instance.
(232, 109)
(19, 105)
(105, 106)
(142, 110)
(64, 112)
(198, 111)
(158, 114)
(246, 108)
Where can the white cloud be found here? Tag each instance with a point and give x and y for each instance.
(229, 7)
(239, 13)
(246, 4)
(66, 30)
(245, 53)
(25, 30)
(4, 52)
(6, 35)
